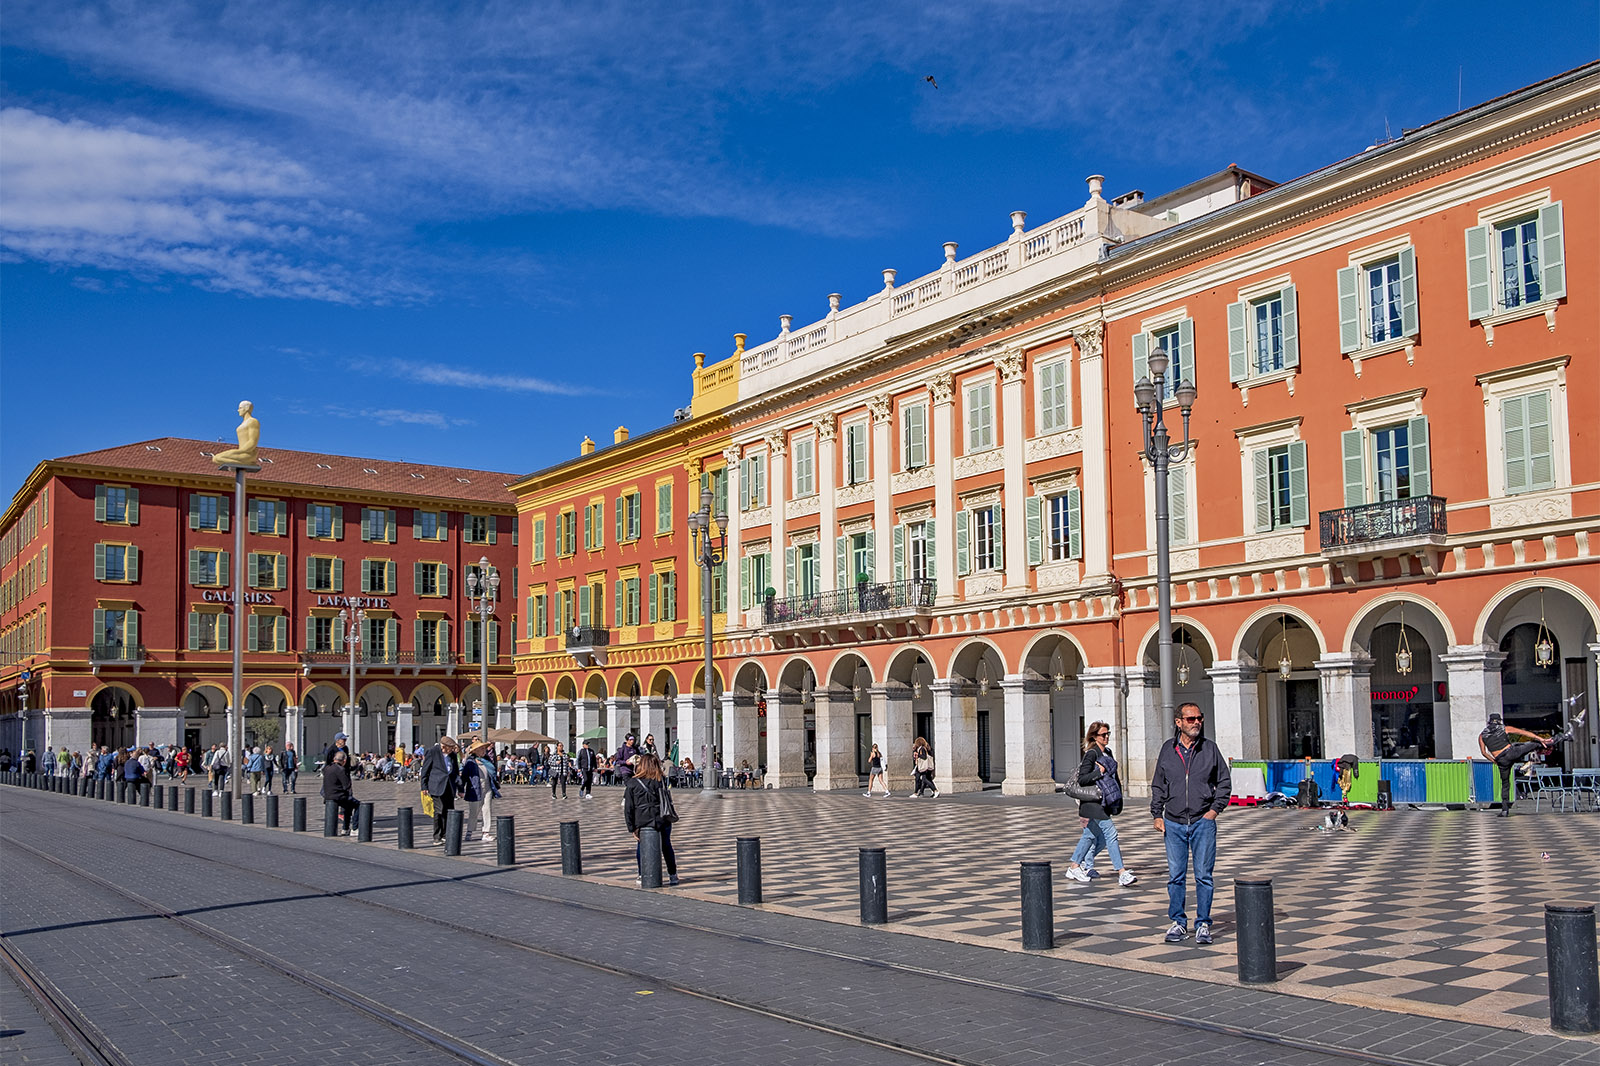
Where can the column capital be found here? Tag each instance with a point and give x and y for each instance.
(777, 444)
(1010, 366)
(1090, 340)
(1485, 656)
(943, 387)
(827, 428)
(882, 407)
(730, 455)
(1239, 670)
(1342, 661)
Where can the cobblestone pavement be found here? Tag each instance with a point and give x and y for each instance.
(26, 1039)
(956, 866)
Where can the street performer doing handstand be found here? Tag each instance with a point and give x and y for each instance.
(1495, 743)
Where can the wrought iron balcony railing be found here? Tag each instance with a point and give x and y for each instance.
(379, 658)
(116, 653)
(867, 598)
(587, 637)
(1372, 524)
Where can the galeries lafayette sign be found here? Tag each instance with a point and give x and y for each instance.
(380, 602)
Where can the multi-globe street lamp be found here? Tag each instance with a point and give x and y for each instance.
(710, 549)
(1149, 395)
(483, 588)
(352, 640)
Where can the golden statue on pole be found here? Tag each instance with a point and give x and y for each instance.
(249, 438)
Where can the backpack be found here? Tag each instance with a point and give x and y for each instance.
(669, 813)
(1309, 795)
(1110, 793)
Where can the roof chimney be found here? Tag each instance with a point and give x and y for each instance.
(587, 447)
(619, 435)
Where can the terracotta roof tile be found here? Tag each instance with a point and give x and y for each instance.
(177, 455)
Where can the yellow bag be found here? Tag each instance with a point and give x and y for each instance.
(427, 804)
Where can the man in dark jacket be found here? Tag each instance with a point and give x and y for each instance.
(439, 774)
(341, 742)
(586, 765)
(337, 789)
(1190, 788)
(289, 763)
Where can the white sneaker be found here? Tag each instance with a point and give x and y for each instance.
(886, 792)
(1075, 873)
(1126, 878)
(935, 793)
(867, 794)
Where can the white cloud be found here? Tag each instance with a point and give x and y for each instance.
(391, 416)
(457, 377)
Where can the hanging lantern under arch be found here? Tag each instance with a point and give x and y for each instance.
(1285, 664)
(1544, 649)
(1402, 657)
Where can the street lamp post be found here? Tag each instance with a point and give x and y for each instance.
(710, 549)
(22, 694)
(352, 640)
(483, 588)
(1159, 451)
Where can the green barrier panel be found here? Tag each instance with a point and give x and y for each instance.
(1364, 789)
(1449, 781)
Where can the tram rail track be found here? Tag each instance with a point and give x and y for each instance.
(83, 1038)
(478, 880)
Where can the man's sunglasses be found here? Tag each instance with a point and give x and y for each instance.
(1193, 718)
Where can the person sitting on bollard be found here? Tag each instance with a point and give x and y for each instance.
(647, 802)
(133, 772)
(1097, 766)
(1495, 743)
(1191, 786)
(336, 788)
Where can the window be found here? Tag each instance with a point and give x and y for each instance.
(857, 454)
(1516, 262)
(324, 521)
(270, 517)
(208, 631)
(753, 482)
(208, 513)
(805, 468)
(717, 482)
(629, 508)
(1391, 448)
(1382, 291)
(802, 574)
(1525, 426)
(478, 529)
(755, 576)
(208, 567)
(116, 562)
(1378, 300)
(1281, 494)
(980, 540)
(1177, 341)
(115, 505)
(375, 645)
(980, 417)
(719, 588)
(538, 615)
(265, 570)
(320, 633)
(1052, 385)
(324, 574)
(664, 508)
(538, 540)
(663, 597)
(377, 575)
(430, 579)
(1054, 527)
(266, 632)
(377, 525)
(856, 560)
(914, 435)
(428, 644)
(594, 530)
(429, 525)
(567, 533)
(113, 629)
(919, 551)
(569, 609)
(626, 603)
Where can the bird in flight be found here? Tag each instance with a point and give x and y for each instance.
(930, 81)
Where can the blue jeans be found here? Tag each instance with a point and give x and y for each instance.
(1099, 835)
(1200, 841)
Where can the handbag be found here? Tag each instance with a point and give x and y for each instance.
(669, 813)
(1082, 793)
(427, 804)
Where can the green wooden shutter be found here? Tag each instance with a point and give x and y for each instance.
(744, 583)
(999, 537)
(618, 598)
(224, 516)
(538, 540)
(338, 522)
(1349, 310)
(669, 596)
(1409, 323)
(1075, 523)
(621, 518)
(99, 562)
(1238, 355)
(130, 631)
(225, 631)
(652, 608)
(1552, 253)
(790, 577)
(583, 605)
(1141, 361)
(416, 579)
(416, 523)
(494, 643)
(366, 524)
(1421, 472)
(338, 575)
(444, 635)
(100, 627)
(1177, 505)
(194, 628)
(516, 524)
(1291, 326)
(390, 528)
(1480, 299)
(389, 584)
(928, 529)
(366, 577)
(900, 552)
(841, 561)
(100, 506)
(1353, 444)
(444, 578)
(1261, 459)
(251, 570)
(469, 641)
(1299, 486)
(194, 568)
(963, 542)
(338, 636)
(1541, 467)
(1514, 435)
(133, 507)
(252, 640)
(252, 520)
(872, 554)
(194, 508)
(131, 563)
(1033, 523)
(494, 530)
(1183, 368)
(223, 571)
(311, 572)
(280, 518)
(311, 632)
(588, 533)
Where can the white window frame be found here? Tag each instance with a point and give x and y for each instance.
(1185, 470)
(1271, 435)
(1063, 362)
(968, 389)
(1496, 215)
(1163, 323)
(857, 436)
(906, 407)
(1369, 416)
(1500, 385)
(1251, 296)
(806, 446)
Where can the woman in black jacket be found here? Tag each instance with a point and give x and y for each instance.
(642, 802)
(1098, 830)
(336, 787)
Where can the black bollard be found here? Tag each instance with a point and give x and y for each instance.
(364, 824)
(403, 821)
(122, 790)
(505, 840)
(650, 857)
(206, 803)
(188, 801)
(330, 818)
(874, 889)
(1258, 940)
(749, 859)
(299, 814)
(161, 796)
(247, 809)
(225, 810)
(144, 793)
(571, 850)
(1569, 946)
(172, 798)
(453, 821)
(272, 812)
(1038, 907)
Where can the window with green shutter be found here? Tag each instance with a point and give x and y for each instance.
(664, 508)
(914, 435)
(538, 540)
(980, 416)
(1052, 385)
(1526, 442)
(1282, 494)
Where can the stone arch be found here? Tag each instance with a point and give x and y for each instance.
(430, 698)
(256, 706)
(903, 666)
(1503, 606)
(538, 690)
(323, 698)
(664, 683)
(630, 685)
(132, 694)
(471, 693)
(594, 687)
(202, 699)
(566, 688)
(1254, 627)
(1432, 622)
(797, 675)
(699, 684)
(848, 671)
(966, 660)
(750, 678)
(114, 709)
(1050, 649)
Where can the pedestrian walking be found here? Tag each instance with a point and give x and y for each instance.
(255, 766)
(221, 763)
(341, 742)
(289, 763)
(480, 787)
(922, 768)
(1495, 743)
(558, 772)
(875, 774)
(440, 773)
(269, 766)
(1098, 768)
(648, 802)
(622, 761)
(180, 762)
(587, 762)
(1190, 788)
(337, 788)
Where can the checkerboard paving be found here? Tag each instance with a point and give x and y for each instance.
(1437, 913)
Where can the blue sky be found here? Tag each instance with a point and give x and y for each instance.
(473, 236)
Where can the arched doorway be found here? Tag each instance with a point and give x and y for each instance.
(1530, 693)
(1403, 716)
(113, 718)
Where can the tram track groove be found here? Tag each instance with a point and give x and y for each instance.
(83, 1038)
(476, 880)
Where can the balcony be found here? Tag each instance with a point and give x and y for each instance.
(415, 661)
(116, 655)
(865, 610)
(588, 644)
(1390, 528)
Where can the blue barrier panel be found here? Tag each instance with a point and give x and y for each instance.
(1408, 780)
(1285, 775)
(1485, 782)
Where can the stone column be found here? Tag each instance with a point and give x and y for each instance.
(1346, 704)
(892, 724)
(1474, 682)
(405, 717)
(836, 740)
(1094, 478)
(828, 530)
(955, 736)
(786, 741)
(694, 738)
(522, 718)
(1027, 702)
(944, 490)
(559, 725)
(1236, 721)
(1013, 434)
(653, 720)
(614, 713)
(73, 727)
(883, 453)
(741, 730)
